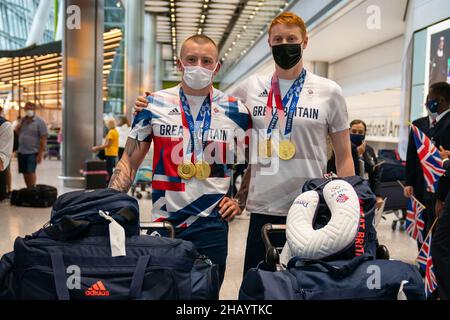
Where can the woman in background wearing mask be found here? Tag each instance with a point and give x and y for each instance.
(361, 150)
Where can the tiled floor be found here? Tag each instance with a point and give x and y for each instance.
(15, 221)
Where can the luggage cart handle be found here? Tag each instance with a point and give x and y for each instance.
(272, 256)
(163, 225)
(269, 228)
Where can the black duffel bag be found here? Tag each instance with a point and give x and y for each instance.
(39, 196)
(154, 268)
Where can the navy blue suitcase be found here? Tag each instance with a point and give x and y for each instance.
(155, 268)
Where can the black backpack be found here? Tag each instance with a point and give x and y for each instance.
(39, 196)
(84, 205)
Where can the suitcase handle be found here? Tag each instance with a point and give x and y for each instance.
(163, 225)
(272, 255)
(270, 228)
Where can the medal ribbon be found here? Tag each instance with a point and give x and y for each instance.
(194, 149)
(293, 94)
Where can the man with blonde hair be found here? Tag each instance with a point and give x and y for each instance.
(185, 121)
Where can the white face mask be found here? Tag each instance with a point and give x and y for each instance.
(29, 113)
(197, 77)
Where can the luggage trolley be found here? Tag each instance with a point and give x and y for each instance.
(146, 226)
(396, 203)
(272, 253)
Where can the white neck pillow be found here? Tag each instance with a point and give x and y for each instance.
(340, 232)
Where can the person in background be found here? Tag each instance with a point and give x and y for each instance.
(361, 150)
(6, 149)
(124, 129)
(32, 132)
(111, 147)
(437, 127)
(440, 246)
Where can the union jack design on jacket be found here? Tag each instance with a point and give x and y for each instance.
(425, 261)
(414, 222)
(429, 157)
(185, 202)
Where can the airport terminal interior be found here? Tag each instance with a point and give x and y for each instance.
(79, 65)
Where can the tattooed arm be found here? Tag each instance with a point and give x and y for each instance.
(128, 165)
(242, 194)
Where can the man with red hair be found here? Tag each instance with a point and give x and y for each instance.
(313, 108)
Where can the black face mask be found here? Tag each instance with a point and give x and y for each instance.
(287, 55)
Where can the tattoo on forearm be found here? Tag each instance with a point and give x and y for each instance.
(125, 171)
(123, 177)
(132, 146)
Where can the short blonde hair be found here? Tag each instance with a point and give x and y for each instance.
(111, 123)
(199, 39)
(289, 18)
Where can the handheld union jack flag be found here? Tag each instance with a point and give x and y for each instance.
(414, 221)
(425, 262)
(429, 157)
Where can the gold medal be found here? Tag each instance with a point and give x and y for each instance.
(286, 150)
(265, 149)
(186, 170)
(202, 170)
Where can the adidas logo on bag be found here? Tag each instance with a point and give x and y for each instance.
(97, 290)
(175, 111)
(264, 94)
